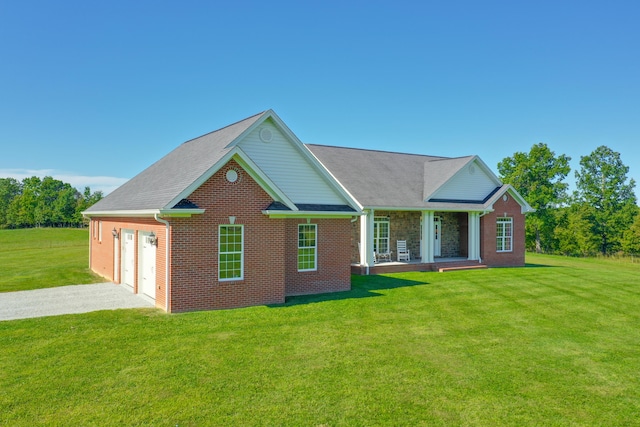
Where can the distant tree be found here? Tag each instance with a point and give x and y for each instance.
(574, 232)
(10, 188)
(538, 176)
(85, 200)
(606, 196)
(22, 210)
(631, 237)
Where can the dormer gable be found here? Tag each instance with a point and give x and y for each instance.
(472, 181)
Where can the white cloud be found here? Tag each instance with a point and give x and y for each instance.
(106, 184)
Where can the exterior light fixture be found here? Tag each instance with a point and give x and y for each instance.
(152, 238)
(114, 232)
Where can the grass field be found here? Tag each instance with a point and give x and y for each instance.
(37, 258)
(555, 343)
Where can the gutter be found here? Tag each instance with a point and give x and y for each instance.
(167, 285)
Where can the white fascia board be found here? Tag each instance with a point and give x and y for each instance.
(424, 209)
(127, 213)
(310, 214)
(508, 188)
(145, 213)
(180, 213)
(252, 169)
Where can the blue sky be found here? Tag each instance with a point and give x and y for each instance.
(94, 92)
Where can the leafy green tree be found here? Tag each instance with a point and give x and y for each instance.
(10, 188)
(607, 196)
(573, 232)
(85, 200)
(631, 237)
(538, 176)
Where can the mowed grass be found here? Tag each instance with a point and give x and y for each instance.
(37, 258)
(554, 344)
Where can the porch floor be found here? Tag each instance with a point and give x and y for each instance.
(415, 265)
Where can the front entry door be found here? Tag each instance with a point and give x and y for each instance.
(437, 236)
(147, 265)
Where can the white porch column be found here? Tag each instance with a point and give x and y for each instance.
(366, 238)
(474, 236)
(428, 237)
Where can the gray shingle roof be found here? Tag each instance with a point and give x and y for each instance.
(388, 179)
(167, 178)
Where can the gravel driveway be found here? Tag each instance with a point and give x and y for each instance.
(68, 300)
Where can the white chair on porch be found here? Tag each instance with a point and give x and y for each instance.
(403, 253)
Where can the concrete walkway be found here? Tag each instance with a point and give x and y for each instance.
(68, 300)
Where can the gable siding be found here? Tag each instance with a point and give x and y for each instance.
(466, 185)
(288, 168)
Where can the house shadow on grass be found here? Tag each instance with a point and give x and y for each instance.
(531, 265)
(361, 287)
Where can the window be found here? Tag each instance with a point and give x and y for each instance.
(381, 235)
(230, 252)
(307, 247)
(99, 231)
(504, 233)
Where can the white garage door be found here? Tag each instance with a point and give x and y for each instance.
(147, 265)
(128, 258)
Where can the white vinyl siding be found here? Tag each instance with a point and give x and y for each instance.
(470, 183)
(504, 235)
(288, 168)
(230, 252)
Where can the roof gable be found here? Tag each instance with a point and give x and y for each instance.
(468, 179)
(175, 176)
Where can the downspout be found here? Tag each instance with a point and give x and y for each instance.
(166, 266)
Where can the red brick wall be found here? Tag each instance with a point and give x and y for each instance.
(194, 270)
(270, 250)
(102, 252)
(334, 252)
(490, 257)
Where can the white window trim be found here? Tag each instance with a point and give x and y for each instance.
(231, 279)
(314, 247)
(504, 220)
(99, 231)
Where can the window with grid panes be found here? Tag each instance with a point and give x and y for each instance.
(504, 235)
(230, 252)
(307, 247)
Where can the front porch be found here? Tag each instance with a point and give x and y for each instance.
(433, 239)
(439, 264)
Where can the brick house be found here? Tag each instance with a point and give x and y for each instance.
(248, 214)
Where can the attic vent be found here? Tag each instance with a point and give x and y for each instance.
(472, 170)
(232, 175)
(266, 135)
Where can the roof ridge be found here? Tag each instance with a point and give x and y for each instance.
(225, 127)
(385, 151)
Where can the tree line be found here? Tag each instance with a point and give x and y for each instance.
(47, 202)
(600, 217)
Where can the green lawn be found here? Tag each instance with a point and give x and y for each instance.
(556, 343)
(37, 258)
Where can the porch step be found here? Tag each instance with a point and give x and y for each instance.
(461, 267)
